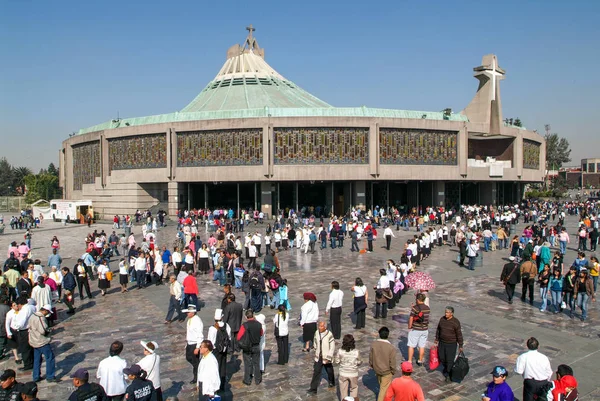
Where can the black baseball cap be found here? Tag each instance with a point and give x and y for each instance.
(30, 389)
(7, 374)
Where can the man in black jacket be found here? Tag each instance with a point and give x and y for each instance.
(10, 389)
(253, 330)
(232, 315)
(511, 276)
(68, 284)
(24, 285)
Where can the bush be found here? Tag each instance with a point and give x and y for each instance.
(534, 193)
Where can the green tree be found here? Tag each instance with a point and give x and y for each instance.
(517, 122)
(41, 186)
(19, 174)
(558, 151)
(6, 178)
(52, 170)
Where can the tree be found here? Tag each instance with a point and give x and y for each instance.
(517, 122)
(558, 151)
(6, 178)
(41, 186)
(52, 170)
(19, 174)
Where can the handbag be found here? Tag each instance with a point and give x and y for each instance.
(109, 275)
(460, 369)
(434, 360)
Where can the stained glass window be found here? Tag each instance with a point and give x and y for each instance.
(321, 145)
(86, 164)
(236, 147)
(531, 154)
(142, 151)
(417, 146)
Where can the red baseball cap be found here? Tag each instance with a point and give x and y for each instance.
(406, 367)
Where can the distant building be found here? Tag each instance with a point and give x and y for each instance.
(587, 176)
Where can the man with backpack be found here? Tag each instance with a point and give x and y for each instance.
(220, 335)
(257, 284)
(249, 341)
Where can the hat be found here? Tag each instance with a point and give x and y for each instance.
(583, 270)
(260, 318)
(499, 371)
(30, 389)
(531, 241)
(218, 314)
(190, 309)
(81, 374)
(511, 258)
(7, 374)
(568, 381)
(146, 343)
(406, 367)
(48, 308)
(134, 370)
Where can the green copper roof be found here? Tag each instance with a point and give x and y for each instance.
(250, 93)
(275, 112)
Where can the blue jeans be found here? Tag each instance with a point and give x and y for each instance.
(323, 243)
(556, 299)
(486, 243)
(275, 299)
(471, 262)
(582, 300)
(46, 350)
(544, 297)
(563, 247)
(595, 281)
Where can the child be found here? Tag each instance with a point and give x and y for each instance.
(283, 295)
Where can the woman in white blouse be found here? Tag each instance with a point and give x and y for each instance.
(11, 331)
(309, 315)
(280, 320)
(203, 263)
(261, 319)
(361, 297)
(151, 364)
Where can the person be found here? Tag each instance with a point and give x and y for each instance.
(174, 300)
(361, 299)
(309, 315)
(583, 289)
(82, 279)
(535, 369)
(280, 320)
(103, 281)
(260, 318)
(150, 364)
(324, 345)
(418, 324)
(472, 252)
(123, 275)
(209, 381)
(232, 316)
(447, 335)
(69, 284)
(10, 389)
(404, 387)
(543, 280)
(219, 334)
(388, 234)
(110, 373)
(564, 388)
(528, 274)
(594, 274)
(334, 309)
(349, 360)
(498, 389)
(194, 337)
(511, 275)
(39, 339)
(84, 390)
(383, 293)
(29, 392)
(382, 359)
(253, 330)
(140, 389)
(190, 290)
(568, 289)
(555, 285)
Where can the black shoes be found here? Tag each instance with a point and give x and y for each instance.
(54, 380)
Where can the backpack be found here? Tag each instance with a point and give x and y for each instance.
(222, 341)
(255, 282)
(273, 284)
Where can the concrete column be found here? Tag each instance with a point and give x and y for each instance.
(173, 197)
(439, 193)
(266, 199)
(518, 160)
(168, 139)
(359, 194)
(374, 149)
(463, 150)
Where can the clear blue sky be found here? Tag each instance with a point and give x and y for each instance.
(72, 64)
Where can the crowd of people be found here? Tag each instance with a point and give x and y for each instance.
(239, 263)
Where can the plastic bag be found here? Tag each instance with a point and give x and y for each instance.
(434, 360)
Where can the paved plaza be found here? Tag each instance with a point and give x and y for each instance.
(494, 331)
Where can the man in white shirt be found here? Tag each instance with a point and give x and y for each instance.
(110, 372)
(535, 368)
(194, 337)
(21, 323)
(334, 309)
(388, 234)
(208, 373)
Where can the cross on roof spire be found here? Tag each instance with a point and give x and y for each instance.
(250, 29)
